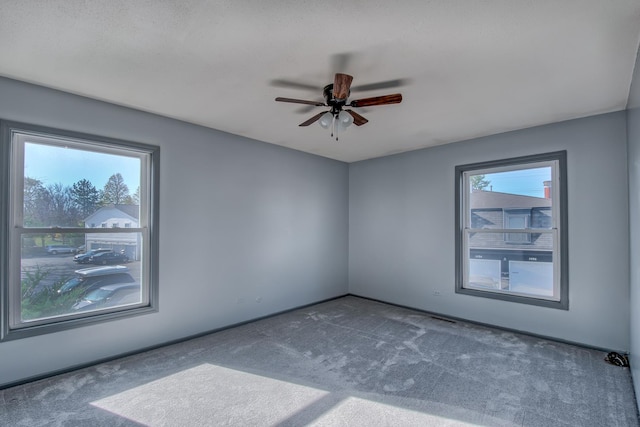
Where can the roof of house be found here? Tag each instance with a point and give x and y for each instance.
(130, 210)
(492, 199)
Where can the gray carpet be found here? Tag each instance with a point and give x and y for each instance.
(349, 361)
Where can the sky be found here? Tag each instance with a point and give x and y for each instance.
(53, 165)
(527, 182)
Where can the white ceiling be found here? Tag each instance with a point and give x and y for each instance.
(469, 68)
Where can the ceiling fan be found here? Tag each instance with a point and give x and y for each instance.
(336, 96)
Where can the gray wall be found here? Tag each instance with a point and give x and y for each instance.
(633, 126)
(246, 229)
(402, 232)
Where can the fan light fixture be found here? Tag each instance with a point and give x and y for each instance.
(337, 121)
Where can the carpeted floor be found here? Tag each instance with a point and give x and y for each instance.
(349, 361)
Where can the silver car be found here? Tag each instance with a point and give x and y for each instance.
(60, 249)
(109, 296)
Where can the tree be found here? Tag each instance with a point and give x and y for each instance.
(53, 205)
(34, 195)
(61, 209)
(136, 197)
(86, 197)
(478, 182)
(116, 191)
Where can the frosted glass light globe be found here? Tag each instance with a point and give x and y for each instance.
(345, 119)
(325, 120)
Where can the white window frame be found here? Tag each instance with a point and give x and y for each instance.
(558, 229)
(12, 142)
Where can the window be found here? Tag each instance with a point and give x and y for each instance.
(527, 194)
(56, 187)
(517, 218)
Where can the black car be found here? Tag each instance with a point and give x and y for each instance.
(105, 258)
(85, 257)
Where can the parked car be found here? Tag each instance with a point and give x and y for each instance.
(85, 257)
(105, 258)
(89, 278)
(109, 296)
(60, 249)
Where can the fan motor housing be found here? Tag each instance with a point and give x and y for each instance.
(327, 92)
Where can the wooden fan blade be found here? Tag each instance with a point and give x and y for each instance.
(312, 119)
(341, 86)
(396, 98)
(358, 120)
(301, 101)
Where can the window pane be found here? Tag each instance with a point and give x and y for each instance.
(533, 278)
(59, 283)
(63, 186)
(521, 271)
(485, 273)
(516, 221)
(525, 181)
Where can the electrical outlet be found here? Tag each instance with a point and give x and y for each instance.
(436, 293)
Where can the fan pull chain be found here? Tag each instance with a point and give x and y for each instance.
(333, 127)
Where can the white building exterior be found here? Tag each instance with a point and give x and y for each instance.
(115, 216)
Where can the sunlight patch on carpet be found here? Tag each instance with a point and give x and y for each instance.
(213, 395)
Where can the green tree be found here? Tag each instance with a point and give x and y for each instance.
(48, 206)
(136, 197)
(34, 202)
(116, 191)
(478, 182)
(86, 197)
(61, 209)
